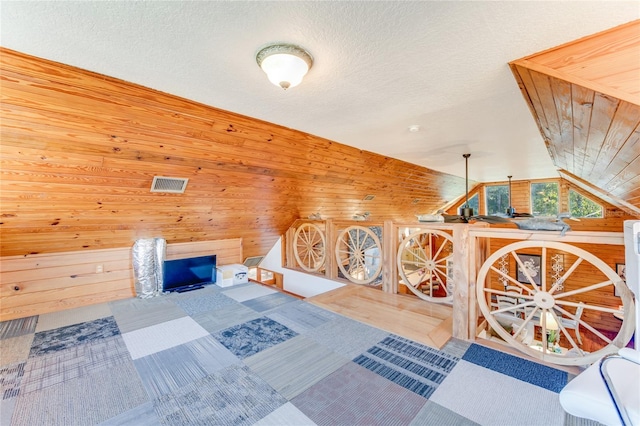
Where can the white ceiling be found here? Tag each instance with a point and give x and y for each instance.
(379, 66)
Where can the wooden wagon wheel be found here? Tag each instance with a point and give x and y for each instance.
(358, 254)
(309, 247)
(549, 306)
(424, 259)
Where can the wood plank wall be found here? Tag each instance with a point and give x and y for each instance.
(79, 151)
(41, 283)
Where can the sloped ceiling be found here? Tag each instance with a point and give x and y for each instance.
(585, 98)
(379, 66)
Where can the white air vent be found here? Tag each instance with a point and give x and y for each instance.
(369, 197)
(169, 184)
(250, 262)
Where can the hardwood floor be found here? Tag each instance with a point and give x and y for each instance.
(404, 315)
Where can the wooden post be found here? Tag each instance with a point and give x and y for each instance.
(330, 264)
(462, 285)
(389, 266)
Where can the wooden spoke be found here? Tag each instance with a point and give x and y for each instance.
(544, 320)
(423, 258)
(309, 247)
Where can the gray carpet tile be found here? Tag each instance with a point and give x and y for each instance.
(6, 410)
(469, 389)
(134, 314)
(253, 336)
(269, 302)
(232, 396)
(162, 336)
(74, 362)
(166, 371)
(62, 338)
(15, 349)
(200, 301)
(72, 316)
(142, 415)
(226, 317)
(434, 414)
(570, 420)
(456, 347)
(301, 316)
(353, 395)
(18, 327)
(86, 400)
(246, 292)
(293, 366)
(287, 415)
(346, 337)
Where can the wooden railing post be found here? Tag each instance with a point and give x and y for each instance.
(389, 266)
(461, 282)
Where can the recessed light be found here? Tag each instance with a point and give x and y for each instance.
(414, 128)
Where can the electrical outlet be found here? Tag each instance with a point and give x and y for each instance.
(99, 269)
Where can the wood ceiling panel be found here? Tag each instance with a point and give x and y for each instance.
(584, 96)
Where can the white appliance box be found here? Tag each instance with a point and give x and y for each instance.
(228, 275)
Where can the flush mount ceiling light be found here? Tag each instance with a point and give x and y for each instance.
(284, 64)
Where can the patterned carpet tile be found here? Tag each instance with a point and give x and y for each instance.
(156, 338)
(301, 316)
(226, 317)
(74, 362)
(346, 337)
(233, 396)
(516, 367)
(491, 398)
(46, 342)
(197, 302)
(353, 395)
(411, 365)
(242, 293)
(10, 380)
(86, 400)
(295, 365)
(72, 316)
(269, 302)
(18, 327)
(253, 336)
(166, 371)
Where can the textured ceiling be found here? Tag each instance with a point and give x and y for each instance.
(379, 66)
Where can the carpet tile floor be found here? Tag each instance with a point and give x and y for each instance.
(248, 355)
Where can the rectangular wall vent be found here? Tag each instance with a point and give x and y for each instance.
(169, 184)
(369, 197)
